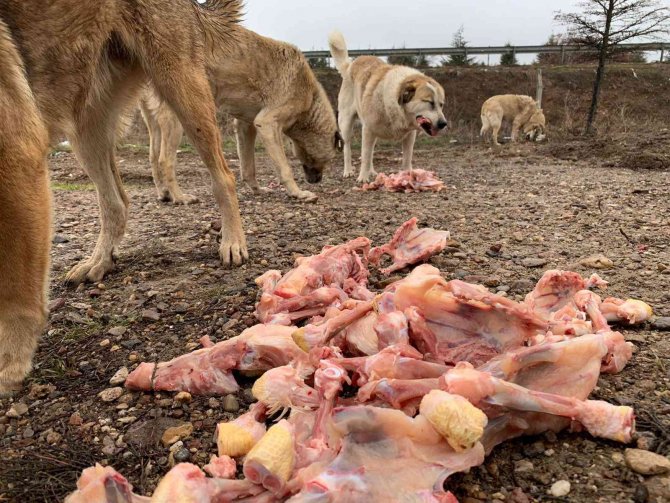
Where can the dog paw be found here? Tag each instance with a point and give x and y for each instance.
(348, 173)
(233, 251)
(367, 177)
(10, 389)
(305, 196)
(184, 199)
(92, 270)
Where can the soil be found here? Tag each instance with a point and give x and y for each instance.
(553, 203)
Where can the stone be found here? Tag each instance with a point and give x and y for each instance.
(661, 323)
(120, 376)
(231, 404)
(183, 397)
(41, 391)
(523, 466)
(598, 261)
(646, 463)
(176, 434)
(117, 331)
(522, 286)
(110, 394)
(560, 489)
(151, 315)
(182, 455)
(533, 262)
(75, 419)
(56, 304)
(658, 489)
(17, 410)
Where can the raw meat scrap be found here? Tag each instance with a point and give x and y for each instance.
(410, 245)
(236, 438)
(416, 180)
(103, 485)
(630, 311)
(326, 273)
(221, 467)
(208, 370)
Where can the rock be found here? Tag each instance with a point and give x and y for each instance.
(110, 394)
(618, 458)
(56, 304)
(60, 239)
(598, 261)
(120, 376)
(75, 420)
(53, 437)
(176, 434)
(534, 262)
(182, 455)
(105, 343)
(641, 494)
(518, 496)
(41, 391)
(132, 343)
(183, 397)
(658, 489)
(522, 286)
(214, 403)
(646, 463)
(230, 403)
(560, 489)
(181, 308)
(635, 337)
(17, 410)
(117, 331)
(28, 432)
(523, 466)
(662, 323)
(151, 315)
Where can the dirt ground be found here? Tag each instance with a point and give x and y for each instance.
(554, 204)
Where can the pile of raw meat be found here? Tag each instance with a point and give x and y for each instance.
(381, 396)
(415, 180)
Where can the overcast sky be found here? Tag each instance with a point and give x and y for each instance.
(396, 23)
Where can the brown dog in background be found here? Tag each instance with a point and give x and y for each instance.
(25, 219)
(521, 111)
(270, 90)
(86, 62)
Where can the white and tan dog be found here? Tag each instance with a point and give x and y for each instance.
(521, 111)
(392, 102)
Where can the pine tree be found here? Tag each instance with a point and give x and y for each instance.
(459, 42)
(509, 58)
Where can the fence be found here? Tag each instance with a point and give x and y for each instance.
(469, 51)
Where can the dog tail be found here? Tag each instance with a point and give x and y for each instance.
(339, 51)
(219, 19)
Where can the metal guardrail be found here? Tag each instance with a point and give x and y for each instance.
(469, 51)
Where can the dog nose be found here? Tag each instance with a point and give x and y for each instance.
(441, 124)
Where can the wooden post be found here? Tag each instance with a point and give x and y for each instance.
(662, 52)
(540, 88)
(562, 54)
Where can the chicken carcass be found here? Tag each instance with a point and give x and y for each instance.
(100, 484)
(208, 371)
(328, 270)
(601, 419)
(236, 438)
(456, 321)
(377, 443)
(410, 245)
(416, 180)
(631, 311)
(283, 388)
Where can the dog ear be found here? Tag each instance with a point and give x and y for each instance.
(407, 92)
(338, 142)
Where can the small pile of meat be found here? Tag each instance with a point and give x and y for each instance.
(437, 372)
(415, 180)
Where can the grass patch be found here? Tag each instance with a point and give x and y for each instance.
(72, 187)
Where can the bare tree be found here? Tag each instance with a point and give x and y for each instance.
(606, 24)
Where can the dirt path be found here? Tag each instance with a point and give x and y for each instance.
(168, 291)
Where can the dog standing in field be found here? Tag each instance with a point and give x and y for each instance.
(521, 111)
(270, 89)
(25, 219)
(85, 64)
(392, 102)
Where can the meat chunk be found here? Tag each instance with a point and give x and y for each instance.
(410, 245)
(416, 180)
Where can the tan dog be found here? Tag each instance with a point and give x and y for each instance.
(521, 111)
(270, 89)
(392, 102)
(87, 62)
(25, 219)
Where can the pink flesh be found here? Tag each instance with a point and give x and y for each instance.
(417, 180)
(221, 467)
(410, 245)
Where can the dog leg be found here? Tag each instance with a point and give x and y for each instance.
(185, 88)
(486, 128)
(245, 132)
(368, 172)
(496, 132)
(171, 135)
(408, 150)
(346, 124)
(267, 125)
